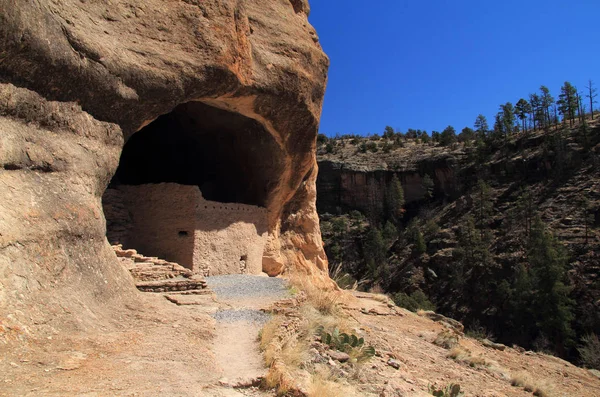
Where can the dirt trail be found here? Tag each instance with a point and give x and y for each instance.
(185, 345)
(238, 323)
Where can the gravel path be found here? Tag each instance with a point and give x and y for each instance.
(247, 286)
(236, 342)
(241, 290)
(247, 315)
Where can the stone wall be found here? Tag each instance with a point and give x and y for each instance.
(229, 238)
(174, 222)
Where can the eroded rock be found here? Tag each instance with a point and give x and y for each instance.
(80, 80)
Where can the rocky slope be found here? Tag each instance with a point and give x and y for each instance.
(555, 168)
(78, 79)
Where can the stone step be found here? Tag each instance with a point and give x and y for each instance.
(178, 284)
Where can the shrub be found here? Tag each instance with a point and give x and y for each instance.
(413, 302)
(452, 390)
(387, 147)
(356, 215)
(322, 138)
(372, 147)
(590, 351)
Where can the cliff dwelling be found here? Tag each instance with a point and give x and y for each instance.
(192, 187)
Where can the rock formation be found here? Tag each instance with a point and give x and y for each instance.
(350, 180)
(80, 79)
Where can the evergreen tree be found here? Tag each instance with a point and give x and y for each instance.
(474, 263)
(483, 205)
(525, 210)
(394, 200)
(508, 117)
(586, 210)
(388, 132)
(546, 101)
(591, 95)
(415, 237)
(448, 136)
(467, 134)
(428, 186)
(522, 109)
(553, 308)
(535, 103)
(567, 102)
(389, 233)
(481, 126)
(580, 107)
(435, 136)
(375, 253)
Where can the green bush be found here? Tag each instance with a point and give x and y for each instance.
(372, 147)
(413, 302)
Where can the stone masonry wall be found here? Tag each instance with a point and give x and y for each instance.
(174, 222)
(162, 221)
(230, 238)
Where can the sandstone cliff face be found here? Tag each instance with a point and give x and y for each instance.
(78, 79)
(352, 180)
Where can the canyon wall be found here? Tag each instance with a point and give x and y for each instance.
(361, 185)
(79, 79)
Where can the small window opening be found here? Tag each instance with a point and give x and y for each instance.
(183, 233)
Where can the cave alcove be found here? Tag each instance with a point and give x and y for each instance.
(198, 169)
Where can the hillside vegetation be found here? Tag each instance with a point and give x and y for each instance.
(512, 250)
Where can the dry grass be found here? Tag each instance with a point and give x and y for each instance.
(276, 380)
(287, 358)
(294, 353)
(463, 355)
(325, 383)
(325, 301)
(314, 318)
(383, 299)
(267, 335)
(540, 388)
(446, 339)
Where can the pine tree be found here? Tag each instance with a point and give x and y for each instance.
(483, 205)
(522, 109)
(481, 126)
(375, 252)
(567, 103)
(394, 200)
(546, 101)
(428, 186)
(474, 263)
(388, 132)
(587, 217)
(591, 95)
(508, 117)
(415, 237)
(525, 209)
(535, 103)
(467, 134)
(389, 233)
(553, 308)
(448, 136)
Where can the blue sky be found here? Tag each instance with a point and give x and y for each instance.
(428, 64)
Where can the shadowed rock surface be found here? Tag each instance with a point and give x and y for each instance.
(80, 79)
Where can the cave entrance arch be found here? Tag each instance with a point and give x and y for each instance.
(192, 187)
